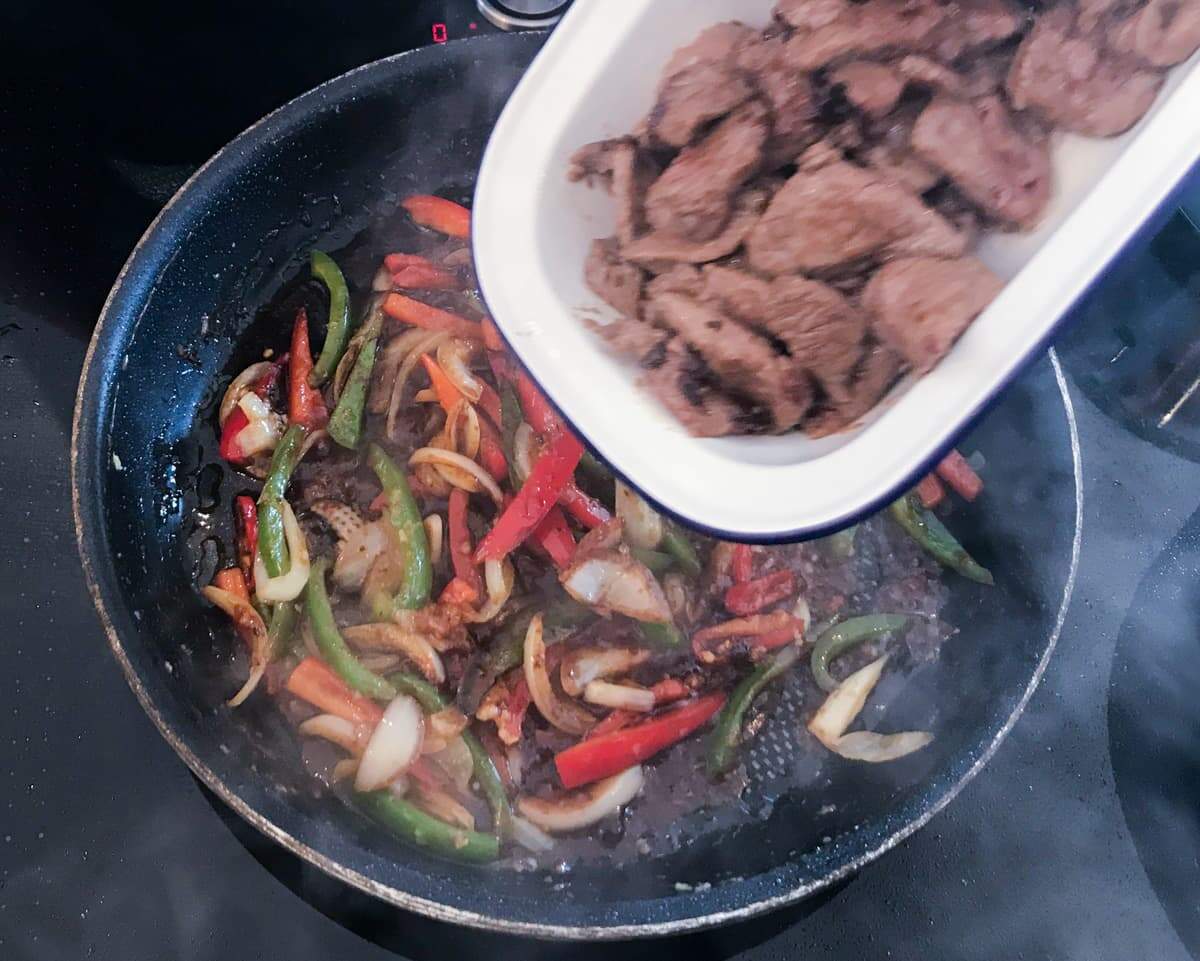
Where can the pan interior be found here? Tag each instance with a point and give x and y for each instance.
(194, 306)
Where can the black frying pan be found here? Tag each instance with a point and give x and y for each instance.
(191, 307)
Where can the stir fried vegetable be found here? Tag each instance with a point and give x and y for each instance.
(461, 587)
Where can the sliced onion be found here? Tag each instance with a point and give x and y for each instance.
(603, 538)
(442, 806)
(344, 770)
(582, 665)
(844, 703)
(263, 428)
(426, 395)
(382, 281)
(345, 734)
(253, 630)
(315, 437)
(611, 581)
(622, 696)
(876, 748)
(447, 723)
(462, 429)
(674, 587)
(802, 613)
(523, 443)
(498, 577)
(436, 456)
(285, 587)
(456, 761)
(359, 542)
(240, 385)
(564, 715)
(419, 345)
(643, 524)
(380, 663)
(386, 636)
(583, 808)
(387, 362)
(530, 836)
(394, 745)
(452, 358)
(433, 482)
(433, 533)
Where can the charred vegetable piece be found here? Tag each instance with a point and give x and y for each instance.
(839, 638)
(554, 537)
(486, 773)
(656, 561)
(316, 682)
(346, 422)
(679, 547)
(272, 541)
(510, 420)
(410, 823)
(414, 312)
(601, 757)
(337, 331)
(333, 646)
(507, 649)
(305, 404)
(440, 214)
(727, 735)
(550, 474)
(752, 596)
(661, 636)
(283, 627)
(937, 541)
(405, 518)
(246, 522)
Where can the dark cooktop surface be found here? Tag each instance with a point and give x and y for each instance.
(1079, 841)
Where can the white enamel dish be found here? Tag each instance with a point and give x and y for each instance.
(595, 78)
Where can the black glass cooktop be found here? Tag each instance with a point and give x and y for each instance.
(1079, 841)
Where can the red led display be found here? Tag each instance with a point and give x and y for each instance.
(439, 33)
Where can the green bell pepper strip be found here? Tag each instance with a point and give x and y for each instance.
(661, 636)
(432, 701)
(841, 543)
(346, 421)
(510, 419)
(507, 649)
(282, 628)
(679, 547)
(272, 542)
(656, 561)
(411, 824)
(727, 734)
(337, 331)
(332, 645)
(931, 534)
(405, 518)
(836, 639)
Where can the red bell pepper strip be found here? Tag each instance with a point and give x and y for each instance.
(397, 262)
(587, 510)
(491, 335)
(601, 757)
(554, 537)
(752, 596)
(458, 592)
(425, 278)
(538, 412)
(512, 714)
(777, 638)
(460, 542)
(440, 214)
(930, 491)
(233, 581)
(489, 403)
(551, 472)
(230, 449)
(670, 689)
(960, 475)
(246, 514)
(409, 311)
(447, 394)
(714, 642)
(305, 406)
(317, 683)
(614, 720)
(742, 565)
(491, 450)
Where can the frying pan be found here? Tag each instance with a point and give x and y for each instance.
(199, 298)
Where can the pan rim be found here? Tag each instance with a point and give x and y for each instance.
(87, 445)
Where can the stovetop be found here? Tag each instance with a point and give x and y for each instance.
(1080, 840)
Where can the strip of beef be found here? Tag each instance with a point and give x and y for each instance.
(634, 337)
(921, 305)
(613, 280)
(878, 368)
(838, 32)
(700, 83)
(1067, 77)
(789, 94)
(625, 171)
(693, 197)
(836, 216)
(972, 25)
(887, 149)
(661, 246)
(874, 88)
(1162, 33)
(680, 384)
(977, 146)
(738, 356)
(1092, 12)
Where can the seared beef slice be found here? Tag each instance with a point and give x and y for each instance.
(921, 305)
(693, 197)
(614, 280)
(625, 171)
(1162, 33)
(976, 145)
(836, 216)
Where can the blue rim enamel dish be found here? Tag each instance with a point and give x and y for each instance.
(594, 79)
